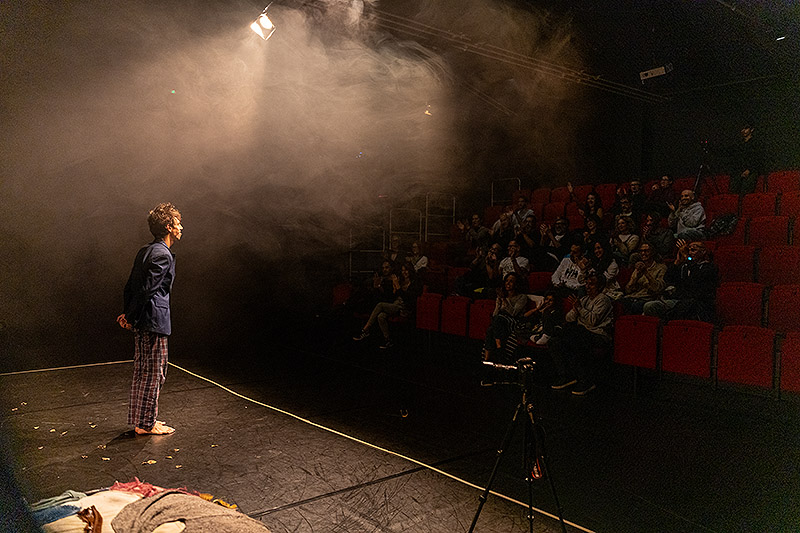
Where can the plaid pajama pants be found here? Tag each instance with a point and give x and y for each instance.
(149, 373)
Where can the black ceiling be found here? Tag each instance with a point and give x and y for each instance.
(708, 43)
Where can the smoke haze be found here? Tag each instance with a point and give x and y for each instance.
(272, 150)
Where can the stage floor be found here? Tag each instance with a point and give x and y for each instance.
(338, 436)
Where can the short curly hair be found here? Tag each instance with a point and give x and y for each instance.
(160, 217)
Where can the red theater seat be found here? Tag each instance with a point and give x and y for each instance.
(480, 316)
(768, 231)
(539, 282)
(572, 209)
(541, 195)
(581, 192)
(745, 355)
(455, 310)
(560, 194)
(552, 211)
(429, 306)
(721, 204)
(790, 204)
(779, 265)
(636, 340)
(686, 347)
(454, 273)
(790, 362)
(740, 303)
(783, 312)
(783, 181)
(608, 194)
(758, 204)
(735, 262)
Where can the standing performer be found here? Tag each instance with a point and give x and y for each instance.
(147, 314)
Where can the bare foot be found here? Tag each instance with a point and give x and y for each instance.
(159, 428)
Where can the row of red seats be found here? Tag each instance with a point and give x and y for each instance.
(744, 354)
(754, 304)
(781, 181)
(763, 231)
(770, 265)
(755, 204)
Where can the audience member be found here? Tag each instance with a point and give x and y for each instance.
(625, 241)
(635, 193)
(556, 241)
(688, 219)
(415, 257)
(662, 196)
(503, 231)
(521, 211)
(405, 289)
(592, 206)
(545, 318)
(660, 238)
(593, 231)
(476, 283)
(395, 254)
(602, 262)
(575, 349)
(510, 304)
(625, 210)
(529, 241)
(646, 282)
(514, 262)
(568, 277)
(476, 234)
(746, 163)
(695, 279)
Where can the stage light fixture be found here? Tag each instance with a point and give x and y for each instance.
(263, 26)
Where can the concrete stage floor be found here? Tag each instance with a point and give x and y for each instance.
(330, 435)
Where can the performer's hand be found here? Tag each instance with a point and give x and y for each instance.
(123, 322)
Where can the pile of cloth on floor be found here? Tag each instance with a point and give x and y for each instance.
(138, 507)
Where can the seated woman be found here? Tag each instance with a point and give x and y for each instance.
(415, 257)
(624, 241)
(593, 231)
(604, 264)
(543, 319)
(593, 206)
(406, 289)
(509, 305)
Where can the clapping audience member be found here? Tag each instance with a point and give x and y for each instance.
(646, 282)
(545, 319)
(521, 211)
(625, 241)
(593, 231)
(587, 330)
(635, 194)
(694, 278)
(556, 241)
(476, 234)
(477, 283)
(625, 210)
(514, 262)
(662, 196)
(405, 291)
(568, 277)
(592, 206)
(415, 257)
(509, 305)
(528, 239)
(602, 263)
(688, 218)
(660, 238)
(503, 231)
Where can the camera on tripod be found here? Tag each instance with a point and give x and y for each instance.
(520, 373)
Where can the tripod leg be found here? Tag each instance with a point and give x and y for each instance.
(503, 446)
(539, 466)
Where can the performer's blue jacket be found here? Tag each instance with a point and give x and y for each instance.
(148, 288)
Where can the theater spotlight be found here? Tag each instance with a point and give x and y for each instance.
(263, 26)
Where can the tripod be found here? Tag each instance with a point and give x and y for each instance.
(534, 463)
